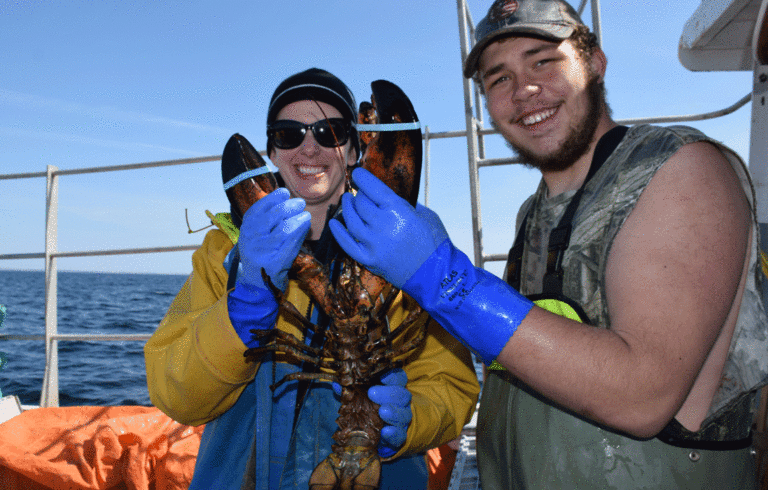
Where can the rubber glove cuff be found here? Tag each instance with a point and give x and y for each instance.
(251, 307)
(473, 305)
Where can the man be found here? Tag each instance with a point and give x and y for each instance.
(638, 362)
(196, 371)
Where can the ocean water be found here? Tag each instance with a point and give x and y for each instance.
(90, 373)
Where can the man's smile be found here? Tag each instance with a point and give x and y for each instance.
(536, 117)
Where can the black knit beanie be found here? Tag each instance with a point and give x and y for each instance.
(319, 85)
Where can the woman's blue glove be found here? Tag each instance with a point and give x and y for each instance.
(384, 232)
(271, 235)
(272, 232)
(403, 245)
(394, 402)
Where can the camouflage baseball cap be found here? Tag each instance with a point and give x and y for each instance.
(551, 19)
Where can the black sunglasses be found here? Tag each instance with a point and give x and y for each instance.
(286, 134)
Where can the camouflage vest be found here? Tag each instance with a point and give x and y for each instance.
(608, 199)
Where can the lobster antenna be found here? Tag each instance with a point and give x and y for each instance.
(189, 228)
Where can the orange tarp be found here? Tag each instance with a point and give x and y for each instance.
(440, 462)
(72, 448)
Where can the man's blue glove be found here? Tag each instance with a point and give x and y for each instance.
(392, 239)
(394, 402)
(386, 233)
(272, 232)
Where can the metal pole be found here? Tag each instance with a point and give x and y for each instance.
(49, 397)
(472, 141)
(597, 27)
(426, 166)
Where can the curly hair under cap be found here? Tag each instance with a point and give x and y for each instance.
(584, 40)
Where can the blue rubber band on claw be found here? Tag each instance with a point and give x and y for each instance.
(246, 175)
(389, 127)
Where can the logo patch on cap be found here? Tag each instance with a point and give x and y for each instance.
(501, 9)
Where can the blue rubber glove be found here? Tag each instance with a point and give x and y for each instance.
(394, 402)
(432, 222)
(473, 305)
(384, 232)
(272, 232)
(251, 308)
(390, 238)
(271, 235)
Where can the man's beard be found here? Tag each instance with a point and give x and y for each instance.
(576, 143)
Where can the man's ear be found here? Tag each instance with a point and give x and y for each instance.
(598, 62)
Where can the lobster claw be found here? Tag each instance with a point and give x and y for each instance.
(394, 156)
(245, 174)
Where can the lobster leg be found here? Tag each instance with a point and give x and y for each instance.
(288, 347)
(412, 317)
(305, 376)
(306, 352)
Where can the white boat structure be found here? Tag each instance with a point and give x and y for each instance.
(721, 35)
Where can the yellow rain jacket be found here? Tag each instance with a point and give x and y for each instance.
(196, 370)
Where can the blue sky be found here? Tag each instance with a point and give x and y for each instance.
(86, 84)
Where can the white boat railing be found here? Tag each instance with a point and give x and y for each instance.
(49, 396)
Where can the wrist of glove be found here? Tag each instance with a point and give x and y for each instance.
(473, 305)
(394, 402)
(251, 308)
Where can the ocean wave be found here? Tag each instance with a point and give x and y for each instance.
(90, 372)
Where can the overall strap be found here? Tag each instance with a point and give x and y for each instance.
(232, 277)
(561, 235)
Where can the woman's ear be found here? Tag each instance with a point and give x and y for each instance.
(351, 155)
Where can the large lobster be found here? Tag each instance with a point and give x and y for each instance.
(359, 345)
